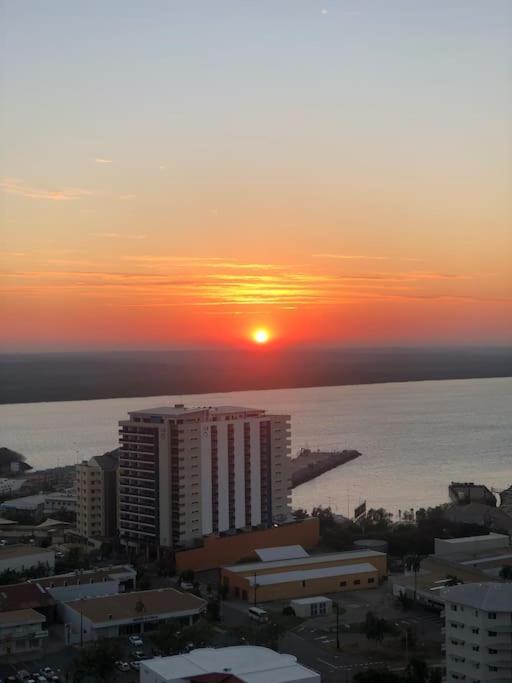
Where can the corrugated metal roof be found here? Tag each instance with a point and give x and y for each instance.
(283, 552)
(309, 574)
(310, 559)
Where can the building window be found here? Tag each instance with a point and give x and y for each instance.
(475, 630)
(492, 651)
(343, 583)
(492, 615)
(371, 580)
(491, 634)
(476, 648)
(303, 584)
(357, 582)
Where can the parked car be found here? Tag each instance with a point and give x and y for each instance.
(135, 640)
(23, 675)
(187, 586)
(135, 665)
(139, 654)
(46, 671)
(123, 666)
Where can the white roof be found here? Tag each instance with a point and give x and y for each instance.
(253, 664)
(179, 409)
(283, 552)
(310, 559)
(310, 601)
(473, 539)
(489, 597)
(305, 574)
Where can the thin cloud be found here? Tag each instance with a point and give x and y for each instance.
(127, 197)
(113, 235)
(100, 160)
(352, 257)
(18, 186)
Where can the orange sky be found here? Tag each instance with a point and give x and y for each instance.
(338, 176)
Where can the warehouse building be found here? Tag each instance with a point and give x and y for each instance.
(138, 612)
(238, 664)
(22, 558)
(299, 577)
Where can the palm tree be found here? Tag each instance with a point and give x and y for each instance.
(413, 564)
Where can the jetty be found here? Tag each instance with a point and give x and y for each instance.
(310, 464)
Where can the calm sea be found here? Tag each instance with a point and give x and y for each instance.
(415, 437)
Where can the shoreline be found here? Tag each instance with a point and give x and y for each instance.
(267, 388)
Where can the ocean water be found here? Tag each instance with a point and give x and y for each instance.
(415, 437)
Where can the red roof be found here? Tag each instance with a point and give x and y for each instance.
(24, 596)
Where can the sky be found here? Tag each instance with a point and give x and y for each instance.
(182, 172)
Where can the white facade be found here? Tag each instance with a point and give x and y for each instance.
(60, 502)
(20, 558)
(317, 606)
(185, 473)
(249, 663)
(478, 628)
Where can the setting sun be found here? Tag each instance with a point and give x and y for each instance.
(260, 336)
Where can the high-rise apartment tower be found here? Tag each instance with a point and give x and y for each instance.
(188, 472)
(96, 490)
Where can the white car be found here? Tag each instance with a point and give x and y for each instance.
(123, 666)
(135, 640)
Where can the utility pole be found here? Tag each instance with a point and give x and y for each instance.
(81, 623)
(336, 606)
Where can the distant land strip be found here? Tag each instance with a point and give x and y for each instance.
(27, 378)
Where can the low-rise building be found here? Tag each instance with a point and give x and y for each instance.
(22, 558)
(478, 632)
(238, 664)
(468, 546)
(305, 576)
(138, 612)
(21, 630)
(28, 505)
(435, 574)
(89, 584)
(60, 501)
(27, 595)
(316, 606)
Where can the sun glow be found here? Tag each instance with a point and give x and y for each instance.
(261, 335)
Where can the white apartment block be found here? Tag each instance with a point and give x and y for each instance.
(478, 628)
(188, 472)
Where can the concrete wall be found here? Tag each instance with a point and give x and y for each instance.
(231, 549)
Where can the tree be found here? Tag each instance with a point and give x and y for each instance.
(413, 564)
(300, 514)
(375, 628)
(377, 676)
(97, 660)
(325, 517)
(416, 671)
(166, 638)
(506, 572)
(404, 600)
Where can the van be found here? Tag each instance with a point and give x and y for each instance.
(257, 614)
